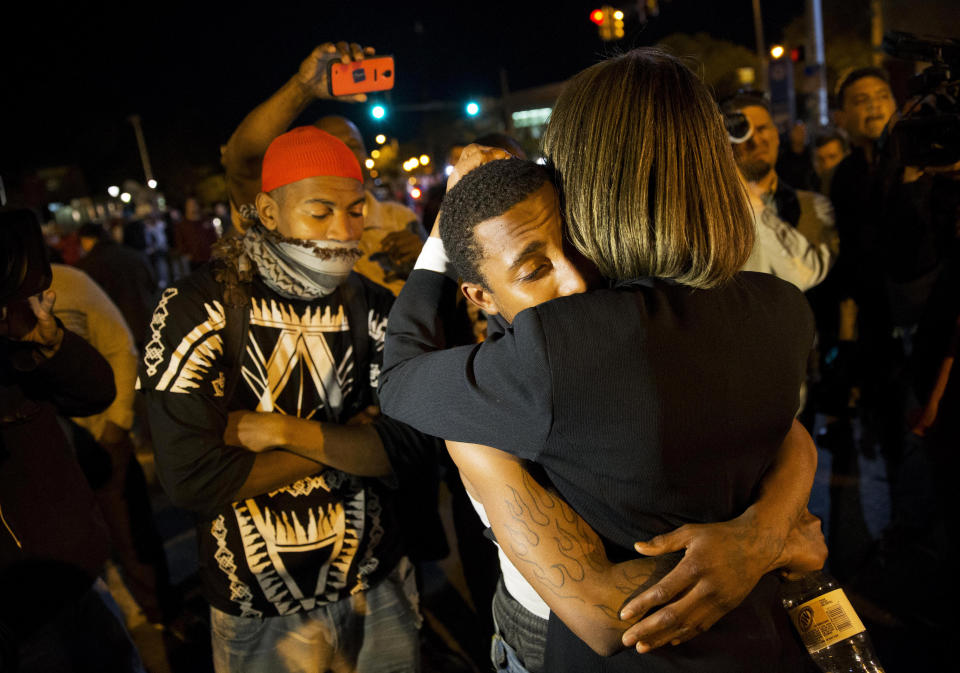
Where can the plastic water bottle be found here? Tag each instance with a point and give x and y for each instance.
(828, 625)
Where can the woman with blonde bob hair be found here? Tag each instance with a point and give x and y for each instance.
(648, 178)
(656, 402)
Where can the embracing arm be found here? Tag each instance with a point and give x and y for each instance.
(552, 547)
(723, 562)
(564, 560)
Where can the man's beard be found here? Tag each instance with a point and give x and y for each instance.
(754, 170)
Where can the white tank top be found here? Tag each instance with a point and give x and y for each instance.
(515, 583)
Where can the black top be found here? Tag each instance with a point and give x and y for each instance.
(126, 276)
(649, 405)
(311, 542)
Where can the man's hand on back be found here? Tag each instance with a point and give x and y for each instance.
(722, 563)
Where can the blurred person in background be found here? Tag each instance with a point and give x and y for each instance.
(86, 310)
(830, 147)
(194, 235)
(796, 239)
(56, 614)
(795, 163)
(125, 274)
(898, 271)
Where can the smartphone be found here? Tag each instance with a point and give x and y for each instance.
(370, 74)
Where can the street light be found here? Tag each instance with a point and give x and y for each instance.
(368, 163)
(113, 191)
(776, 51)
(381, 139)
(125, 197)
(151, 183)
(424, 159)
(375, 154)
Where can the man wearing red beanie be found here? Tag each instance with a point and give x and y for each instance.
(392, 235)
(258, 370)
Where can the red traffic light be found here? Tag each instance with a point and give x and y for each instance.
(597, 16)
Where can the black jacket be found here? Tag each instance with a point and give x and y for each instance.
(649, 405)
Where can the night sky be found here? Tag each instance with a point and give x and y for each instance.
(73, 72)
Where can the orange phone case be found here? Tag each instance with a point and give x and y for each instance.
(369, 74)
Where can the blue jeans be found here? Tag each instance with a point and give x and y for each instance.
(520, 641)
(375, 631)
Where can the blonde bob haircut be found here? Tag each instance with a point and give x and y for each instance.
(647, 175)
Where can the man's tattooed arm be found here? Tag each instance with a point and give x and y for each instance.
(553, 547)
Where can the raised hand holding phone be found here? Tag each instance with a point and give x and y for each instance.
(314, 72)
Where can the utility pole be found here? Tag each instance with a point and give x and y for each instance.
(761, 48)
(815, 21)
(505, 102)
(876, 31)
(142, 144)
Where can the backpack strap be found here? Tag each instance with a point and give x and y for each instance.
(354, 300)
(236, 304)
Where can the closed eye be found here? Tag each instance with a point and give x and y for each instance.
(536, 273)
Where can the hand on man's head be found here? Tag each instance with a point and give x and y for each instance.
(473, 156)
(313, 72)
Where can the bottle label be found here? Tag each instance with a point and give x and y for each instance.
(825, 620)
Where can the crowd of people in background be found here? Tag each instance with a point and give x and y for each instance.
(874, 246)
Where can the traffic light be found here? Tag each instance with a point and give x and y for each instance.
(472, 108)
(609, 23)
(798, 54)
(378, 111)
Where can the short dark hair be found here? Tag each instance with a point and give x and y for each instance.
(482, 194)
(744, 98)
(828, 135)
(858, 74)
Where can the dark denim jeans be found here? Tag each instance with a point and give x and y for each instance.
(520, 641)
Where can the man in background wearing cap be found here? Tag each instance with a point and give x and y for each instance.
(392, 235)
(300, 551)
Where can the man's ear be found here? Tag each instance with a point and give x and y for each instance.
(479, 297)
(268, 210)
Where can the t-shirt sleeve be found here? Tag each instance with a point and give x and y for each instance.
(495, 393)
(182, 376)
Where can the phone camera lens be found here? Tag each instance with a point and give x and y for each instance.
(387, 73)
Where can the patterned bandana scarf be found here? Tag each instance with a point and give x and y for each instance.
(299, 268)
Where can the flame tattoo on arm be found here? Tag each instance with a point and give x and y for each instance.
(541, 525)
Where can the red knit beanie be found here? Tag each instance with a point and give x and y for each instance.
(306, 152)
